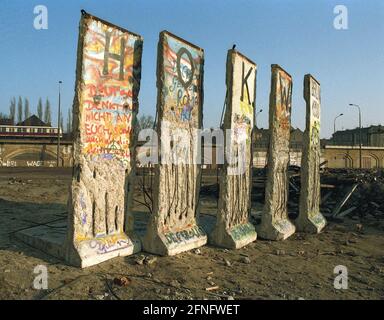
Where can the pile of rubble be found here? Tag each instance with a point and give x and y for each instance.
(355, 193)
(344, 192)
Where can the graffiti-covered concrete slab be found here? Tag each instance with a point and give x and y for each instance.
(233, 229)
(310, 219)
(275, 224)
(173, 226)
(105, 106)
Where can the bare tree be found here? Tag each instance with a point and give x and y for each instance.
(69, 121)
(47, 112)
(145, 122)
(3, 116)
(40, 109)
(19, 110)
(26, 108)
(12, 110)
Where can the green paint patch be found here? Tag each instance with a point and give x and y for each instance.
(242, 230)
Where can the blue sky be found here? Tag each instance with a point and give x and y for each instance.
(296, 34)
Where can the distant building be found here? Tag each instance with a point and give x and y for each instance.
(32, 143)
(296, 141)
(349, 157)
(261, 138)
(261, 143)
(33, 121)
(30, 128)
(372, 136)
(6, 122)
(341, 151)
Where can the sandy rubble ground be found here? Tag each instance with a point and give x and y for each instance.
(298, 268)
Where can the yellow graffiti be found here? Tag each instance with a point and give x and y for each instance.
(246, 108)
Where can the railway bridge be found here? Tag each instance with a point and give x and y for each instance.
(34, 153)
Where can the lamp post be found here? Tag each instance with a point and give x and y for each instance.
(357, 106)
(58, 129)
(334, 122)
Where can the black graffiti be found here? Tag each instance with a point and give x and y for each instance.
(119, 57)
(315, 90)
(189, 73)
(244, 82)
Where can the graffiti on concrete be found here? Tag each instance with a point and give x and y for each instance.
(183, 236)
(281, 136)
(310, 219)
(7, 163)
(105, 108)
(111, 65)
(275, 224)
(232, 227)
(179, 107)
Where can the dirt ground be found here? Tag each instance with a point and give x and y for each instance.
(301, 267)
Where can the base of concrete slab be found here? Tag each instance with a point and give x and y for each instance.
(52, 239)
(278, 230)
(93, 251)
(234, 238)
(310, 224)
(172, 243)
(48, 238)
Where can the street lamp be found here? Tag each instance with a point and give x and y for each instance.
(357, 106)
(58, 129)
(334, 122)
